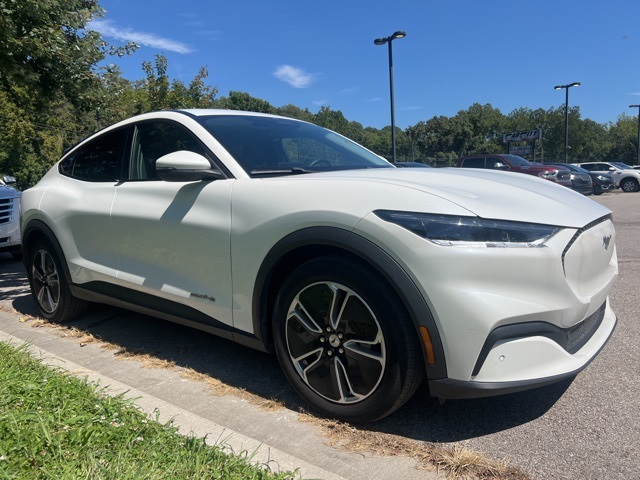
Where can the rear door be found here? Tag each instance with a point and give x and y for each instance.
(83, 197)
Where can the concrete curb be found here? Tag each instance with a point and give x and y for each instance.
(186, 422)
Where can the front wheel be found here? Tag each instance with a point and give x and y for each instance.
(345, 341)
(629, 185)
(49, 286)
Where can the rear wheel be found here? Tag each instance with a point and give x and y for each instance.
(345, 341)
(49, 286)
(629, 184)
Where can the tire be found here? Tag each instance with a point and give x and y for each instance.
(629, 184)
(345, 341)
(49, 285)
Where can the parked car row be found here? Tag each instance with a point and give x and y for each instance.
(587, 182)
(585, 178)
(626, 177)
(515, 163)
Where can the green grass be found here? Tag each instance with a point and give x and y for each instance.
(55, 426)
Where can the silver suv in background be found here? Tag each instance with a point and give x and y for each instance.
(625, 176)
(9, 216)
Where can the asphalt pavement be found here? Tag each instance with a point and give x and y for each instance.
(583, 429)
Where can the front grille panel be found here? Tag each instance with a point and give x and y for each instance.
(6, 210)
(581, 231)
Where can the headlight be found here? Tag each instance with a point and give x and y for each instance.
(549, 174)
(454, 230)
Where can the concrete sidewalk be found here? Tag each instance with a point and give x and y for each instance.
(274, 438)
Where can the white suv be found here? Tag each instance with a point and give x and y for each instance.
(363, 278)
(626, 178)
(9, 217)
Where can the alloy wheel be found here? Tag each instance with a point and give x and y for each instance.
(46, 281)
(335, 342)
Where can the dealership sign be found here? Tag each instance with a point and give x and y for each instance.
(524, 136)
(526, 150)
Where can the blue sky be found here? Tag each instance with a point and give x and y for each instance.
(456, 53)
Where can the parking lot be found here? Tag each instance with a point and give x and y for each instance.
(587, 428)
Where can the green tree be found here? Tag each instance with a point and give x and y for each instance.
(244, 101)
(623, 136)
(45, 48)
(48, 80)
(292, 111)
(485, 126)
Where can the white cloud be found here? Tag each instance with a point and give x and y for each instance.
(375, 99)
(319, 102)
(296, 77)
(107, 29)
(349, 91)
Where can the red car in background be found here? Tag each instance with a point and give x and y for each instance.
(514, 163)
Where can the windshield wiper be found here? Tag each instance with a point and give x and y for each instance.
(296, 170)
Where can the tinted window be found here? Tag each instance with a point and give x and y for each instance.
(473, 162)
(101, 160)
(152, 140)
(602, 167)
(497, 164)
(621, 165)
(517, 161)
(273, 145)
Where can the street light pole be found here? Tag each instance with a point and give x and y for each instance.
(382, 41)
(566, 117)
(638, 107)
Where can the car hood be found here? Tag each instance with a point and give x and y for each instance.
(9, 192)
(487, 194)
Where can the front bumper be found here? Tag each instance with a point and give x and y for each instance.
(475, 292)
(560, 363)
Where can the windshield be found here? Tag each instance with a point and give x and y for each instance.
(517, 161)
(278, 146)
(621, 165)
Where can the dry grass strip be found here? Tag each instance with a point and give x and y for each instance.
(456, 462)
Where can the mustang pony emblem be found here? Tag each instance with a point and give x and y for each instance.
(605, 241)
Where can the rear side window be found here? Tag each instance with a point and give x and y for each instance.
(100, 160)
(473, 162)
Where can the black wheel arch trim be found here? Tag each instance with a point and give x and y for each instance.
(302, 244)
(41, 229)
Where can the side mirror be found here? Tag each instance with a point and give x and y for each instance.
(8, 180)
(185, 166)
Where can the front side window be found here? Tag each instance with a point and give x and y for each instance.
(154, 139)
(496, 164)
(473, 162)
(603, 167)
(100, 160)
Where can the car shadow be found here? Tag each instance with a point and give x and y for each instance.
(422, 418)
